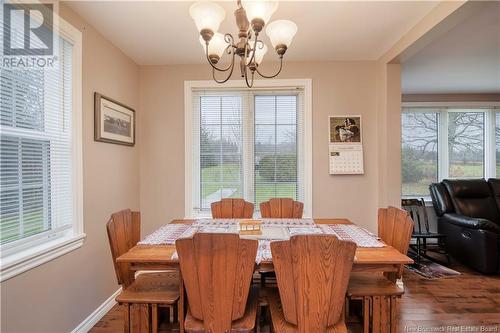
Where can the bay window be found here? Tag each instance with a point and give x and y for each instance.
(447, 142)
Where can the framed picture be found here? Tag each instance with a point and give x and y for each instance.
(345, 129)
(114, 122)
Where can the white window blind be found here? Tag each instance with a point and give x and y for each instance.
(246, 144)
(36, 175)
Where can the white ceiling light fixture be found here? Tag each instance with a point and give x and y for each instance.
(251, 17)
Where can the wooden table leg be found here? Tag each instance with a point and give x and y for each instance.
(366, 314)
(180, 308)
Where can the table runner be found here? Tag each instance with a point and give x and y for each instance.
(265, 222)
(354, 233)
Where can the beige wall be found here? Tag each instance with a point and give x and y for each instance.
(59, 295)
(338, 88)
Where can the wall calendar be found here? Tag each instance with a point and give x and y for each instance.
(345, 146)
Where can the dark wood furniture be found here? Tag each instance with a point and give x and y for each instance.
(140, 296)
(379, 293)
(281, 208)
(232, 209)
(217, 272)
(418, 213)
(312, 273)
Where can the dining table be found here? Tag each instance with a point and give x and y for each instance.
(151, 256)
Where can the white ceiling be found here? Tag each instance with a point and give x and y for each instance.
(162, 32)
(466, 59)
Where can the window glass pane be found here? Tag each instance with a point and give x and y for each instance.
(275, 147)
(24, 193)
(419, 152)
(466, 144)
(221, 149)
(26, 112)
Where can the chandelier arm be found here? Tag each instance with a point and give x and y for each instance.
(229, 50)
(254, 48)
(274, 75)
(249, 84)
(228, 76)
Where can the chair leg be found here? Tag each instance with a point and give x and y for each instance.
(140, 318)
(418, 251)
(126, 317)
(154, 318)
(394, 309)
(346, 310)
(376, 314)
(366, 314)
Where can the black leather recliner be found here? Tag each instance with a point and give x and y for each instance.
(469, 214)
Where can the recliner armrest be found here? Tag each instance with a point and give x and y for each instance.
(471, 222)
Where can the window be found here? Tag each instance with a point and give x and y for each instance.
(40, 166)
(419, 151)
(447, 142)
(245, 144)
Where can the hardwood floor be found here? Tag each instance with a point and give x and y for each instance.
(466, 303)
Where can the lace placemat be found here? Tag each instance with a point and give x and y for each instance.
(354, 233)
(263, 252)
(292, 231)
(168, 234)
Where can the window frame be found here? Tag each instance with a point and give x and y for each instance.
(26, 253)
(260, 87)
(490, 109)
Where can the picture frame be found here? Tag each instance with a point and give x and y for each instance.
(114, 122)
(345, 129)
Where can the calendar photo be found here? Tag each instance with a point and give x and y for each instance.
(345, 129)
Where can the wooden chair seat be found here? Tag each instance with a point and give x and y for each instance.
(280, 325)
(152, 288)
(369, 284)
(243, 325)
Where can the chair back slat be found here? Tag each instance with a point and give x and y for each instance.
(281, 208)
(229, 208)
(124, 231)
(217, 271)
(320, 266)
(395, 228)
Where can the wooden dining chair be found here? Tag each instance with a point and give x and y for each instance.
(278, 208)
(232, 209)
(379, 293)
(313, 273)
(281, 208)
(141, 295)
(217, 272)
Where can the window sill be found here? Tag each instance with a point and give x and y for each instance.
(25, 260)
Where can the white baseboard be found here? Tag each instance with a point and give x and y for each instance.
(95, 316)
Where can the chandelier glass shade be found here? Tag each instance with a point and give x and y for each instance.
(251, 18)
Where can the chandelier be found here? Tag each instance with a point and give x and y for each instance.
(251, 17)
